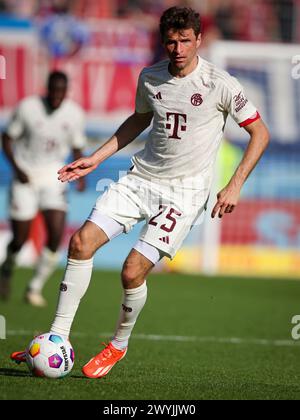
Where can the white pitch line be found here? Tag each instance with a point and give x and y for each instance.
(180, 338)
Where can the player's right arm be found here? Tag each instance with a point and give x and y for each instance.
(14, 131)
(8, 151)
(127, 132)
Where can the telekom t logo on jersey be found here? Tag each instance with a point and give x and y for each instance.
(176, 124)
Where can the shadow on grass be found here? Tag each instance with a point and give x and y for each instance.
(77, 377)
(14, 372)
(23, 374)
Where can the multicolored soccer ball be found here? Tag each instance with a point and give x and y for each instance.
(50, 355)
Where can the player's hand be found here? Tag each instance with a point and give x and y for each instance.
(75, 170)
(227, 201)
(21, 176)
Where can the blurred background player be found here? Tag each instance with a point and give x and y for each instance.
(39, 137)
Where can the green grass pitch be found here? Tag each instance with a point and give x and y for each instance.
(197, 338)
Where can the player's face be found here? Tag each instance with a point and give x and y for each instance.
(56, 93)
(181, 47)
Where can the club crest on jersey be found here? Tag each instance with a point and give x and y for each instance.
(196, 99)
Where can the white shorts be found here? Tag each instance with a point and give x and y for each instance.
(27, 199)
(169, 211)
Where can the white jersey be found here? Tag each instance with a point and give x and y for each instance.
(42, 140)
(189, 119)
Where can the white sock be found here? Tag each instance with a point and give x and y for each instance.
(133, 302)
(73, 287)
(45, 267)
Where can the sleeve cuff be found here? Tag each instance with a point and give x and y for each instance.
(250, 120)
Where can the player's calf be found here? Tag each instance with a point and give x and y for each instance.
(6, 274)
(135, 270)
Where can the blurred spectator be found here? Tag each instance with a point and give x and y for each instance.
(3, 6)
(62, 33)
(22, 8)
(95, 9)
(225, 20)
(297, 22)
(253, 21)
(287, 15)
(256, 21)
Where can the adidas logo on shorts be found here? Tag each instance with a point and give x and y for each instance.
(165, 239)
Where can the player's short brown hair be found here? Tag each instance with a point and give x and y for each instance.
(178, 18)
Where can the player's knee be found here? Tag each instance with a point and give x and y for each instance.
(75, 246)
(131, 276)
(79, 248)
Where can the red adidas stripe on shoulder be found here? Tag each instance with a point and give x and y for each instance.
(250, 120)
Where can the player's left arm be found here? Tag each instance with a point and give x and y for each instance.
(228, 197)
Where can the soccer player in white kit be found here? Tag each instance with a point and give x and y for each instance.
(39, 137)
(188, 100)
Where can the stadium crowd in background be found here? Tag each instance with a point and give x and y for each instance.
(256, 21)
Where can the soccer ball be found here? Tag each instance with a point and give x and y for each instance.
(50, 355)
